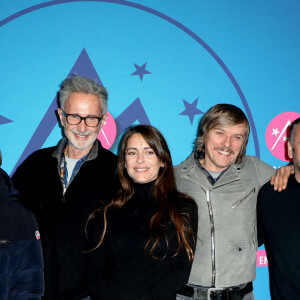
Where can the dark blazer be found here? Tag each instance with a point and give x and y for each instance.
(62, 218)
(21, 262)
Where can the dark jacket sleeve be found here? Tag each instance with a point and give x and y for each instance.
(260, 227)
(180, 269)
(25, 177)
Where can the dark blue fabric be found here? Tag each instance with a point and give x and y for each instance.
(21, 263)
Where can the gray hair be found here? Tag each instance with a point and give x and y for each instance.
(82, 85)
(292, 131)
(221, 115)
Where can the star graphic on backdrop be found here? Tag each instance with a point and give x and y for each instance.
(140, 70)
(275, 131)
(284, 139)
(4, 120)
(191, 109)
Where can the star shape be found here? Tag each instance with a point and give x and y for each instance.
(275, 131)
(191, 109)
(140, 70)
(4, 120)
(284, 139)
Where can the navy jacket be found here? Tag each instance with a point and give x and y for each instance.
(21, 262)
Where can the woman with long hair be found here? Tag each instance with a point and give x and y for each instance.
(146, 235)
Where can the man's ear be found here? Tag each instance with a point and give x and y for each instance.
(60, 114)
(103, 120)
(105, 117)
(290, 150)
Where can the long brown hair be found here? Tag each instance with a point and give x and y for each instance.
(164, 190)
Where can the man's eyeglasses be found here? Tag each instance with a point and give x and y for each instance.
(73, 119)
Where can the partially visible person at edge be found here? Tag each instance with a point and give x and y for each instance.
(146, 245)
(224, 183)
(21, 261)
(64, 184)
(279, 227)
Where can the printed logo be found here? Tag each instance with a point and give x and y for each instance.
(261, 258)
(37, 235)
(143, 71)
(108, 133)
(277, 134)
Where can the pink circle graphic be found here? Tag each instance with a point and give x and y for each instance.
(108, 132)
(277, 134)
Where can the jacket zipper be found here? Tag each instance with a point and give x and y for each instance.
(66, 187)
(212, 232)
(242, 200)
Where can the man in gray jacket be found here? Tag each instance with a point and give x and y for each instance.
(224, 182)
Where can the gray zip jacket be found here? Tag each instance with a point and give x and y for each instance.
(227, 240)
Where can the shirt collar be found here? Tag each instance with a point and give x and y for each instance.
(63, 143)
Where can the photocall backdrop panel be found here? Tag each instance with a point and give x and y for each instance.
(164, 63)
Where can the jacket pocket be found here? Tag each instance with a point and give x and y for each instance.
(246, 197)
(238, 246)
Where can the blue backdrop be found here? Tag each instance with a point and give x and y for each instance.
(163, 62)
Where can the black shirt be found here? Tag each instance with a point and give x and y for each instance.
(127, 271)
(279, 230)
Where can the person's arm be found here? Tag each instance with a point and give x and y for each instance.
(260, 230)
(280, 179)
(176, 278)
(27, 279)
(180, 269)
(25, 181)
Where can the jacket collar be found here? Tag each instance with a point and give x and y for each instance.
(62, 144)
(192, 170)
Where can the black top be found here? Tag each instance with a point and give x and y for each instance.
(126, 271)
(279, 229)
(62, 217)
